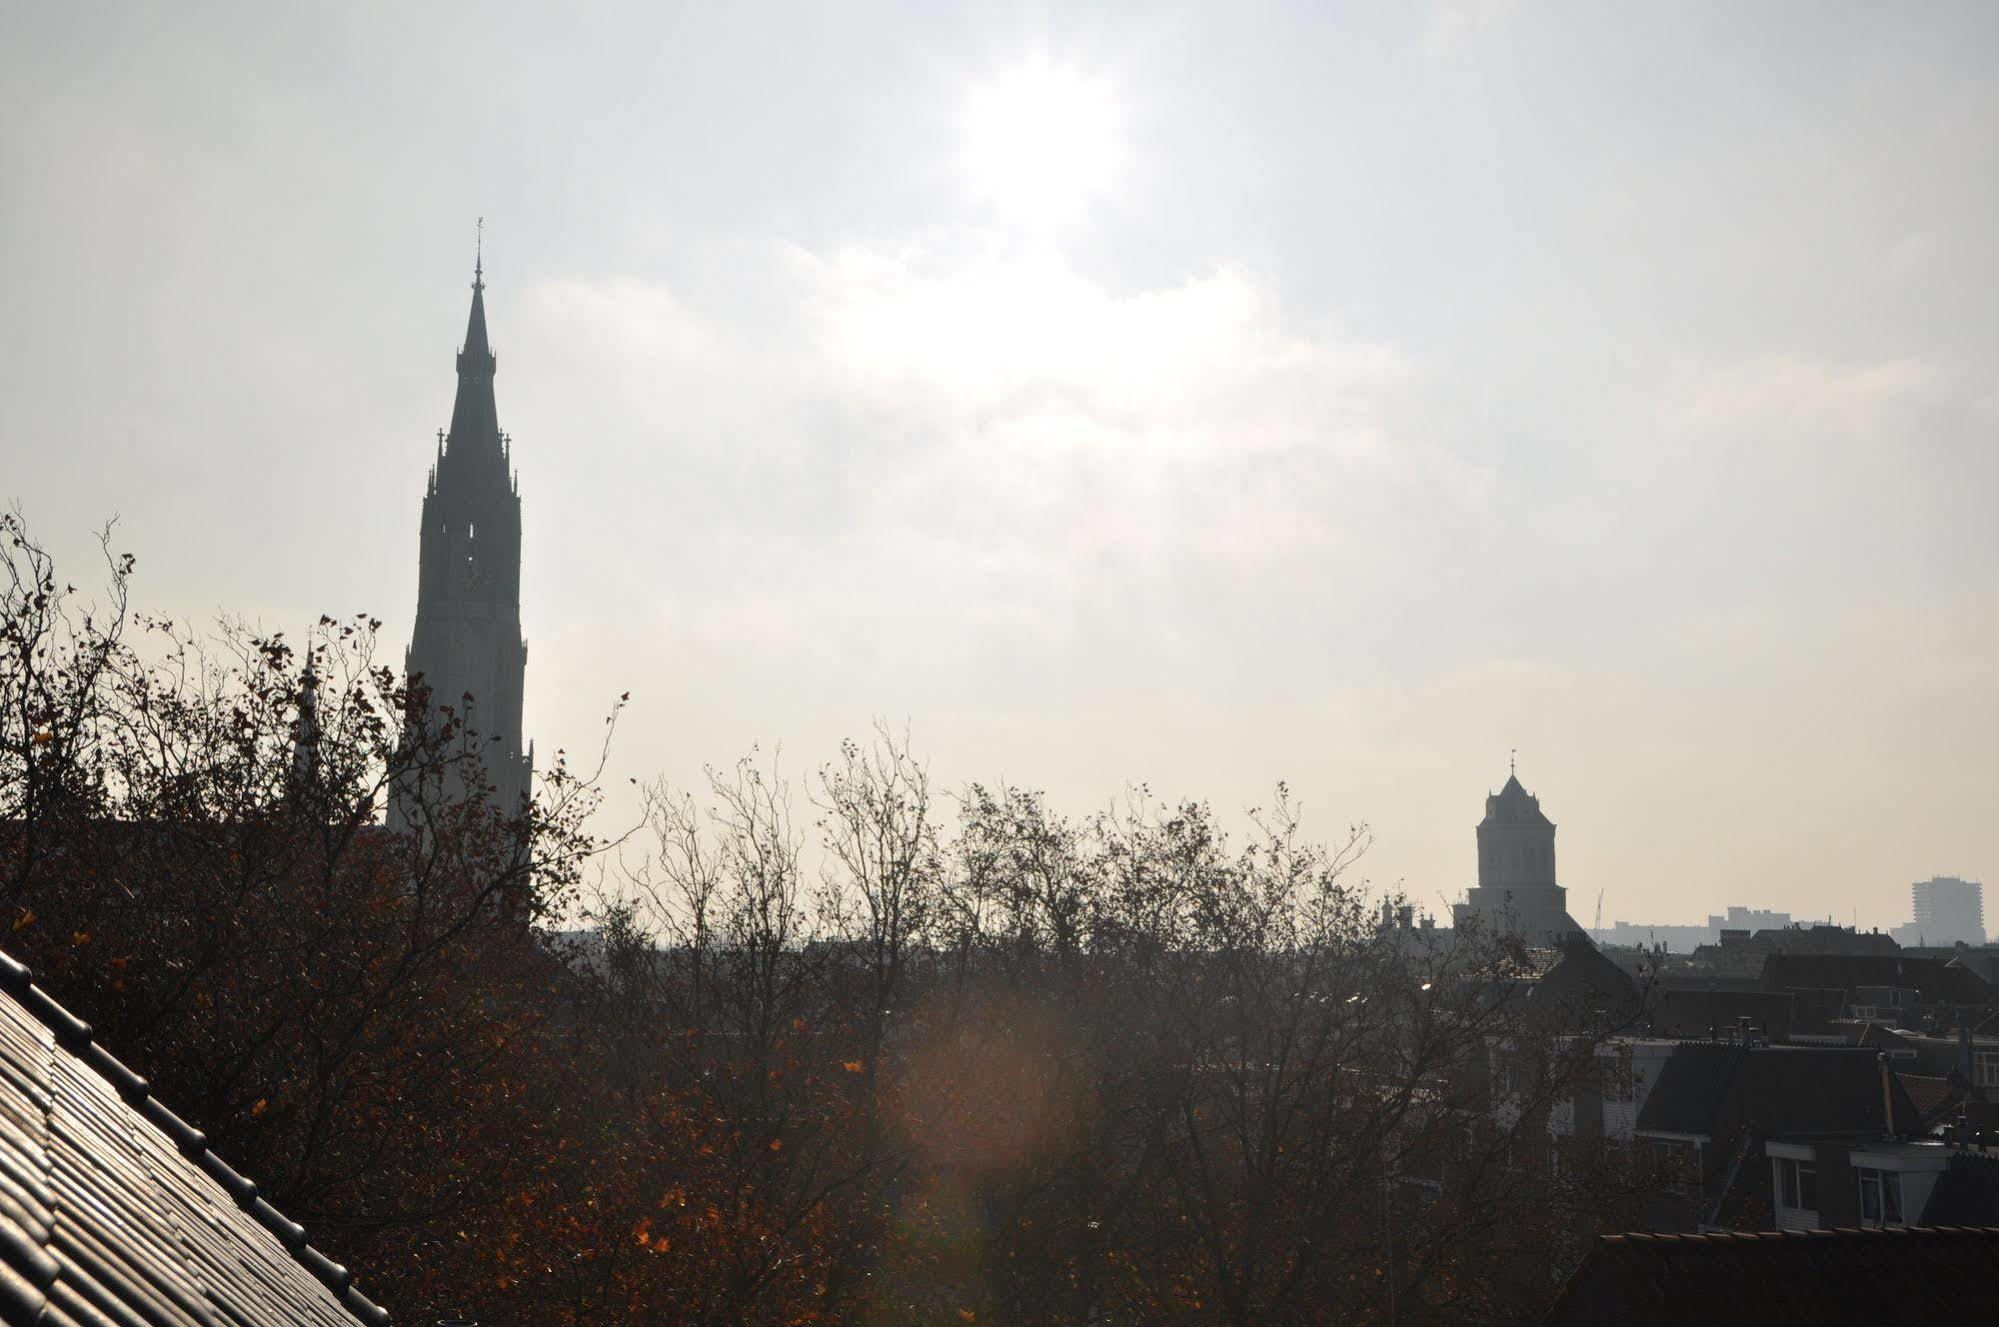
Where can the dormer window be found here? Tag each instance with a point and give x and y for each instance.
(1798, 1184)
(1880, 1197)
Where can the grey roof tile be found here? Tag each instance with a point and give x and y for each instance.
(113, 1213)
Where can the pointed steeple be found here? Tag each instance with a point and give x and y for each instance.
(475, 325)
(475, 420)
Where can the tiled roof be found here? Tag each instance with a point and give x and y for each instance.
(1935, 982)
(1934, 1097)
(1693, 1086)
(1720, 1089)
(1683, 1011)
(1825, 1277)
(114, 1211)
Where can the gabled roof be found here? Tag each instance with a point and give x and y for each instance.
(113, 1210)
(1933, 1097)
(1771, 1091)
(1828, 1277)
(1583, 985)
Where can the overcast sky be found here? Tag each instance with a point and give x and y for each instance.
(1197, 395)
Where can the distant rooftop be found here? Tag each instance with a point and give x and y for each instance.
(1832, 1278)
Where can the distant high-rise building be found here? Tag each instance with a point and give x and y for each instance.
(1947, 910)
(467, 649)
(1516, 890)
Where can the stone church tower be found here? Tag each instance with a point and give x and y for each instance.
(467, 648)
(1516, 890)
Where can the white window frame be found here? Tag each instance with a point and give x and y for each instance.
(1884, 1189)
(1797, 1184)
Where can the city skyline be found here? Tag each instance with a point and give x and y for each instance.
(1355, 468)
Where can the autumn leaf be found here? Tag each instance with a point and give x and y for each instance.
(263, 1104)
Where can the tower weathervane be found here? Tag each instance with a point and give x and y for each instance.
(479, 255)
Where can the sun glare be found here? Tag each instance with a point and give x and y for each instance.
(1040, 142)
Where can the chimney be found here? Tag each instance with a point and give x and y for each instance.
(1887, 1099)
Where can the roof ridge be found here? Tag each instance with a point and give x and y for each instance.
(75, 1036)
(1818, 1234)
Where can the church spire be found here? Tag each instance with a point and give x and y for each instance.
(475, 329)
(475, 420)
(466, 650)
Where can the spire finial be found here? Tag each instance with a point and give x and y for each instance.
(479, 257)
(1513, 760)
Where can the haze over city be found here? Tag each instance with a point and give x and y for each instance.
(1345, 395)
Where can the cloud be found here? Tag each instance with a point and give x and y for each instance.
(1799, 400)
(977, 431)
(1784, 484)
(1081, 422)
(1451, 26)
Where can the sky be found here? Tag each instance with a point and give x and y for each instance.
(1198, 396)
